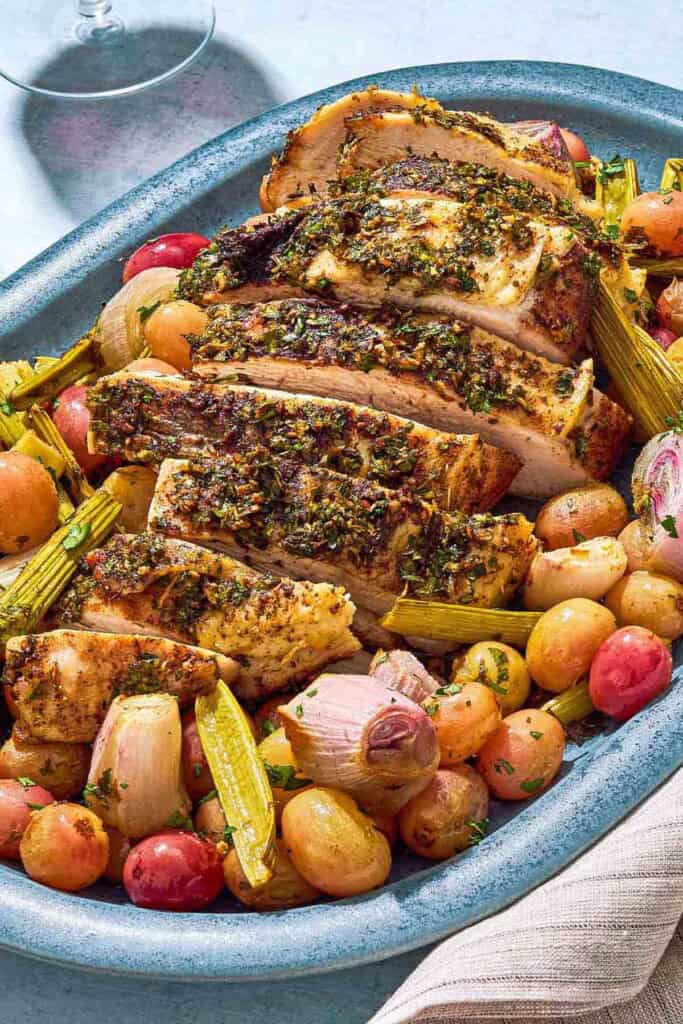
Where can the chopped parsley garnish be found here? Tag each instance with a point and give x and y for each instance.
(675, 424)
(311, 693)
(531, 785)
(500, 659)
(448, 691)
(76, 536)
(35, 807)
(283, 776)
(630, 295)
(478, 830)
(145, 312)
(563, 384)
(227, 834)
(501, 765)
(536, 735)
(6, 407)
(268, 727)
(668, 523)
(101, 789)
(432, 708)
(578, 537)
(180, 820)
(207, 796)
(611, 169)
(299, 710)
(25, 782)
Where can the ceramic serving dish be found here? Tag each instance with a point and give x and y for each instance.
(55, 297)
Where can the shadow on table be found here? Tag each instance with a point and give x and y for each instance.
(91, 151)
(345, 997)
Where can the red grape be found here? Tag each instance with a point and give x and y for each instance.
(173, 871)
(175, 250)
(17, 800)
(71, 416)
(631, 668)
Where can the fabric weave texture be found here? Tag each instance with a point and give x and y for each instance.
(588, 940)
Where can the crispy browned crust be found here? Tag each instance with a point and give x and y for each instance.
(382, 250)
(564, 297)
(381, 542)
(301, 166)
(603, 436)
(147, 418)
(68, 701)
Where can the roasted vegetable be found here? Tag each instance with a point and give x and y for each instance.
(402, 671)
(649, 383)
(523, 756)
(135, 783)
(459, 624)
(333, 844)
(448, 816)
(588, 569)
(594, 510)
(28, 503)
(354, 734)
(286, 888)
(657, 485)
(564, 641)
(241, 781)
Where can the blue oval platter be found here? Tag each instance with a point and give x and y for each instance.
(53, 299)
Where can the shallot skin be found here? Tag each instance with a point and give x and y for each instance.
(354, 734)
(657, 485)
(401, 670)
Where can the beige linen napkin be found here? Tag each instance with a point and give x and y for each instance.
(589, 938)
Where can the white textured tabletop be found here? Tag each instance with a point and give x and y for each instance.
(61, 162)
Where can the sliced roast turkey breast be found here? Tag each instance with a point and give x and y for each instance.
(147, 418)
(434, 370)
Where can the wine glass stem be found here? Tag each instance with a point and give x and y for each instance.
(97, 26)
(93, 8)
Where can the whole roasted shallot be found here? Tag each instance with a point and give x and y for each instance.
(355, 734)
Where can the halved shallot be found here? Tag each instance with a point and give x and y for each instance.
(135, 783)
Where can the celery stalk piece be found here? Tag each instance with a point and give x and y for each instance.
(35, 448)
(41, 422)
(26, 601)
(78, 361)
(616, 185)
(240, 779)
(672, 175)
(461, 624)
(66, 507)
(649, 383)
(40, 362)
(572, 705)
(660, 268)
(11, 422)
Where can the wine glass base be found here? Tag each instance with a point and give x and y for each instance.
(125, 46)
(92, 33)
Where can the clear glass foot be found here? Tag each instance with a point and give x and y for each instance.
(89, 49)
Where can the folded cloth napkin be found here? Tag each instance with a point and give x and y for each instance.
(589, 938)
